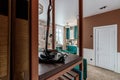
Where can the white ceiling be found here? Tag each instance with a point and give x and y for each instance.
(67, 10)
(91, 7)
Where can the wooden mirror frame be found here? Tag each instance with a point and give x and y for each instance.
(34, 39)
(34, 35)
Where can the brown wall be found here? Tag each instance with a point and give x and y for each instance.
(3, 45)
(108, 18)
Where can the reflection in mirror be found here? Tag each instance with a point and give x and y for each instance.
(67, 26)
(4, 39)
(21, 44)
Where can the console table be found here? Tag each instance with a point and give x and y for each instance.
(53, 71)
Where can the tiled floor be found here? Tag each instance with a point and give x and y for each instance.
(95, 73)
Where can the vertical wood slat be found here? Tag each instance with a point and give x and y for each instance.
(34, 39)
(9, 40)
(29, 24)
(53, 25)
(21, 55)
(19, 43)
(3, 46)
(80, 36)
(12, 38)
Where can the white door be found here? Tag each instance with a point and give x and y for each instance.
(105, 46)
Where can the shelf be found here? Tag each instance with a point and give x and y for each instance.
(53, 71)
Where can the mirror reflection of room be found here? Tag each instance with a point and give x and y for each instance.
(62, 40)
(66, 26)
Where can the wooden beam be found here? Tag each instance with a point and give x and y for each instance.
(80, 26)
(53, 25)
(34, 39)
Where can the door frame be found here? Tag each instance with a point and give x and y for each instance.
(94, 44)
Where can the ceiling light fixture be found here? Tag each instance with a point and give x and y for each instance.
(67, 25)
(40, 8)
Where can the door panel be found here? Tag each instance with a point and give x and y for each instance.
(105, 47)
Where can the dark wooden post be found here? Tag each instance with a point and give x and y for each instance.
(53, 25)
(80, 36)
(12, 24)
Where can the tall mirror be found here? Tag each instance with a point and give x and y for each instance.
(4, 40)
(65, 29)
(21, 41)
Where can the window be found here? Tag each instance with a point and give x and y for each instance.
(59, 35)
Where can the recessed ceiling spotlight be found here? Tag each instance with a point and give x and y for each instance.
(103, 7)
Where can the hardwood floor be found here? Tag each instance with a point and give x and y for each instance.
(95, 73)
